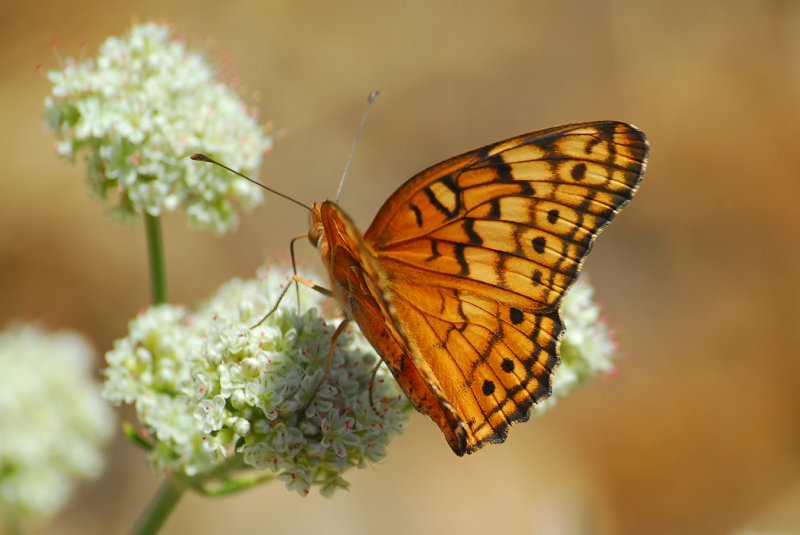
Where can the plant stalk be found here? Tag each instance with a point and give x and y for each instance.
(155, 246)
(161, 505)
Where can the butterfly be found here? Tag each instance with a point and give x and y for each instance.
(458, 281)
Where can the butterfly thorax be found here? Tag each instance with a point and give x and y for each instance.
(335, 236)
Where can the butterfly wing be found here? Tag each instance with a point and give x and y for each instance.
(474, 255)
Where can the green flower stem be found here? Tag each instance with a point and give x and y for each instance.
(160, 506)
(155, 246)
(232, 486)
(219, 481)
(214, 483)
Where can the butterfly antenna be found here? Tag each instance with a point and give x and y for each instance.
(370, 100)
(203, 158)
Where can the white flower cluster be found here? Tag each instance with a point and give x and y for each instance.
(587, 348)
(207, 387)
(139, 111)
(53, 421)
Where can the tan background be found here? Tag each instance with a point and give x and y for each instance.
(699, 432)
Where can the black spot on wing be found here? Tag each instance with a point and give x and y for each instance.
(446, 181)
(526, 188)
(494, 209)
(462, 261)
(502, 169)
(591, 145)
(469, 229)
(417, 213)
(539, 244)
(579, 171)
(434, 251)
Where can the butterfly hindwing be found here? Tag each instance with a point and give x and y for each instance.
(493, 361)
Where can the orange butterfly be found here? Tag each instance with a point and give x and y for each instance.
(458, 282)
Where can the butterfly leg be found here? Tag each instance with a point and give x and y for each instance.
(294, 265)
(372, 389)
(336, 334)
(295, 279)
(313, 285)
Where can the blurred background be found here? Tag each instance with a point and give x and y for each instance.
(698, 432)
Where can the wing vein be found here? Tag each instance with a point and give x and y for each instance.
(453, 359)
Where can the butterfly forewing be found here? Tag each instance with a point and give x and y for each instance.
(519, 215)
(473, 256)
